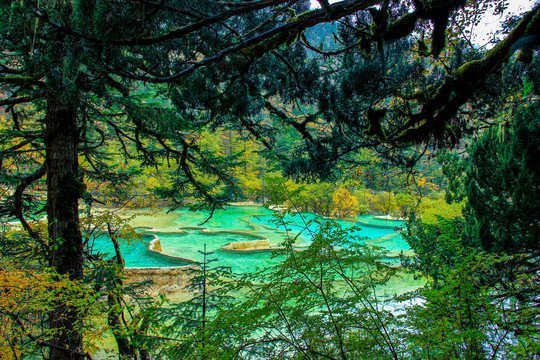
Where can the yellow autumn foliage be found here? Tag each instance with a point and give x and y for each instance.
(344, 204)
(26, 298)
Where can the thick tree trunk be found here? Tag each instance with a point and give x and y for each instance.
(63, 191)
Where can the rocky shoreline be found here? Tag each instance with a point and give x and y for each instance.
(163, 280)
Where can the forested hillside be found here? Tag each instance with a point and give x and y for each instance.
(383, 107)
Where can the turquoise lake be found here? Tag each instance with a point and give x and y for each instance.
(182, 236)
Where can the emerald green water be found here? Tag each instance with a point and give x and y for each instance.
(249, 221)
(181, 236)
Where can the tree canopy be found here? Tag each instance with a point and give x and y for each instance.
(87, 85)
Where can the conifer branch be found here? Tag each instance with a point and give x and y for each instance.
(17, 210)
(461, 84)
(271, 39)
(22, 99)
(174, 34)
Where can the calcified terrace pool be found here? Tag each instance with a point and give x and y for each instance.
(182, 239)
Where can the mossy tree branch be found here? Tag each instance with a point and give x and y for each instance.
(459, 86)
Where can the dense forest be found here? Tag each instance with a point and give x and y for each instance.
(385, 107)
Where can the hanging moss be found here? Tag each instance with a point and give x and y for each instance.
(379, 24)
(423, 49)
(286, 37)
(402, 27)
(375, 118)
(469, 70)
(365, 45)
(438, 36)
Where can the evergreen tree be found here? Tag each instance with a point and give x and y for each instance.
(501, 183)
(186, 327)
(484, 266)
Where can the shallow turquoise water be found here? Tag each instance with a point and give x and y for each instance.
(135, 254)
(250, 223)
(371, 220)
